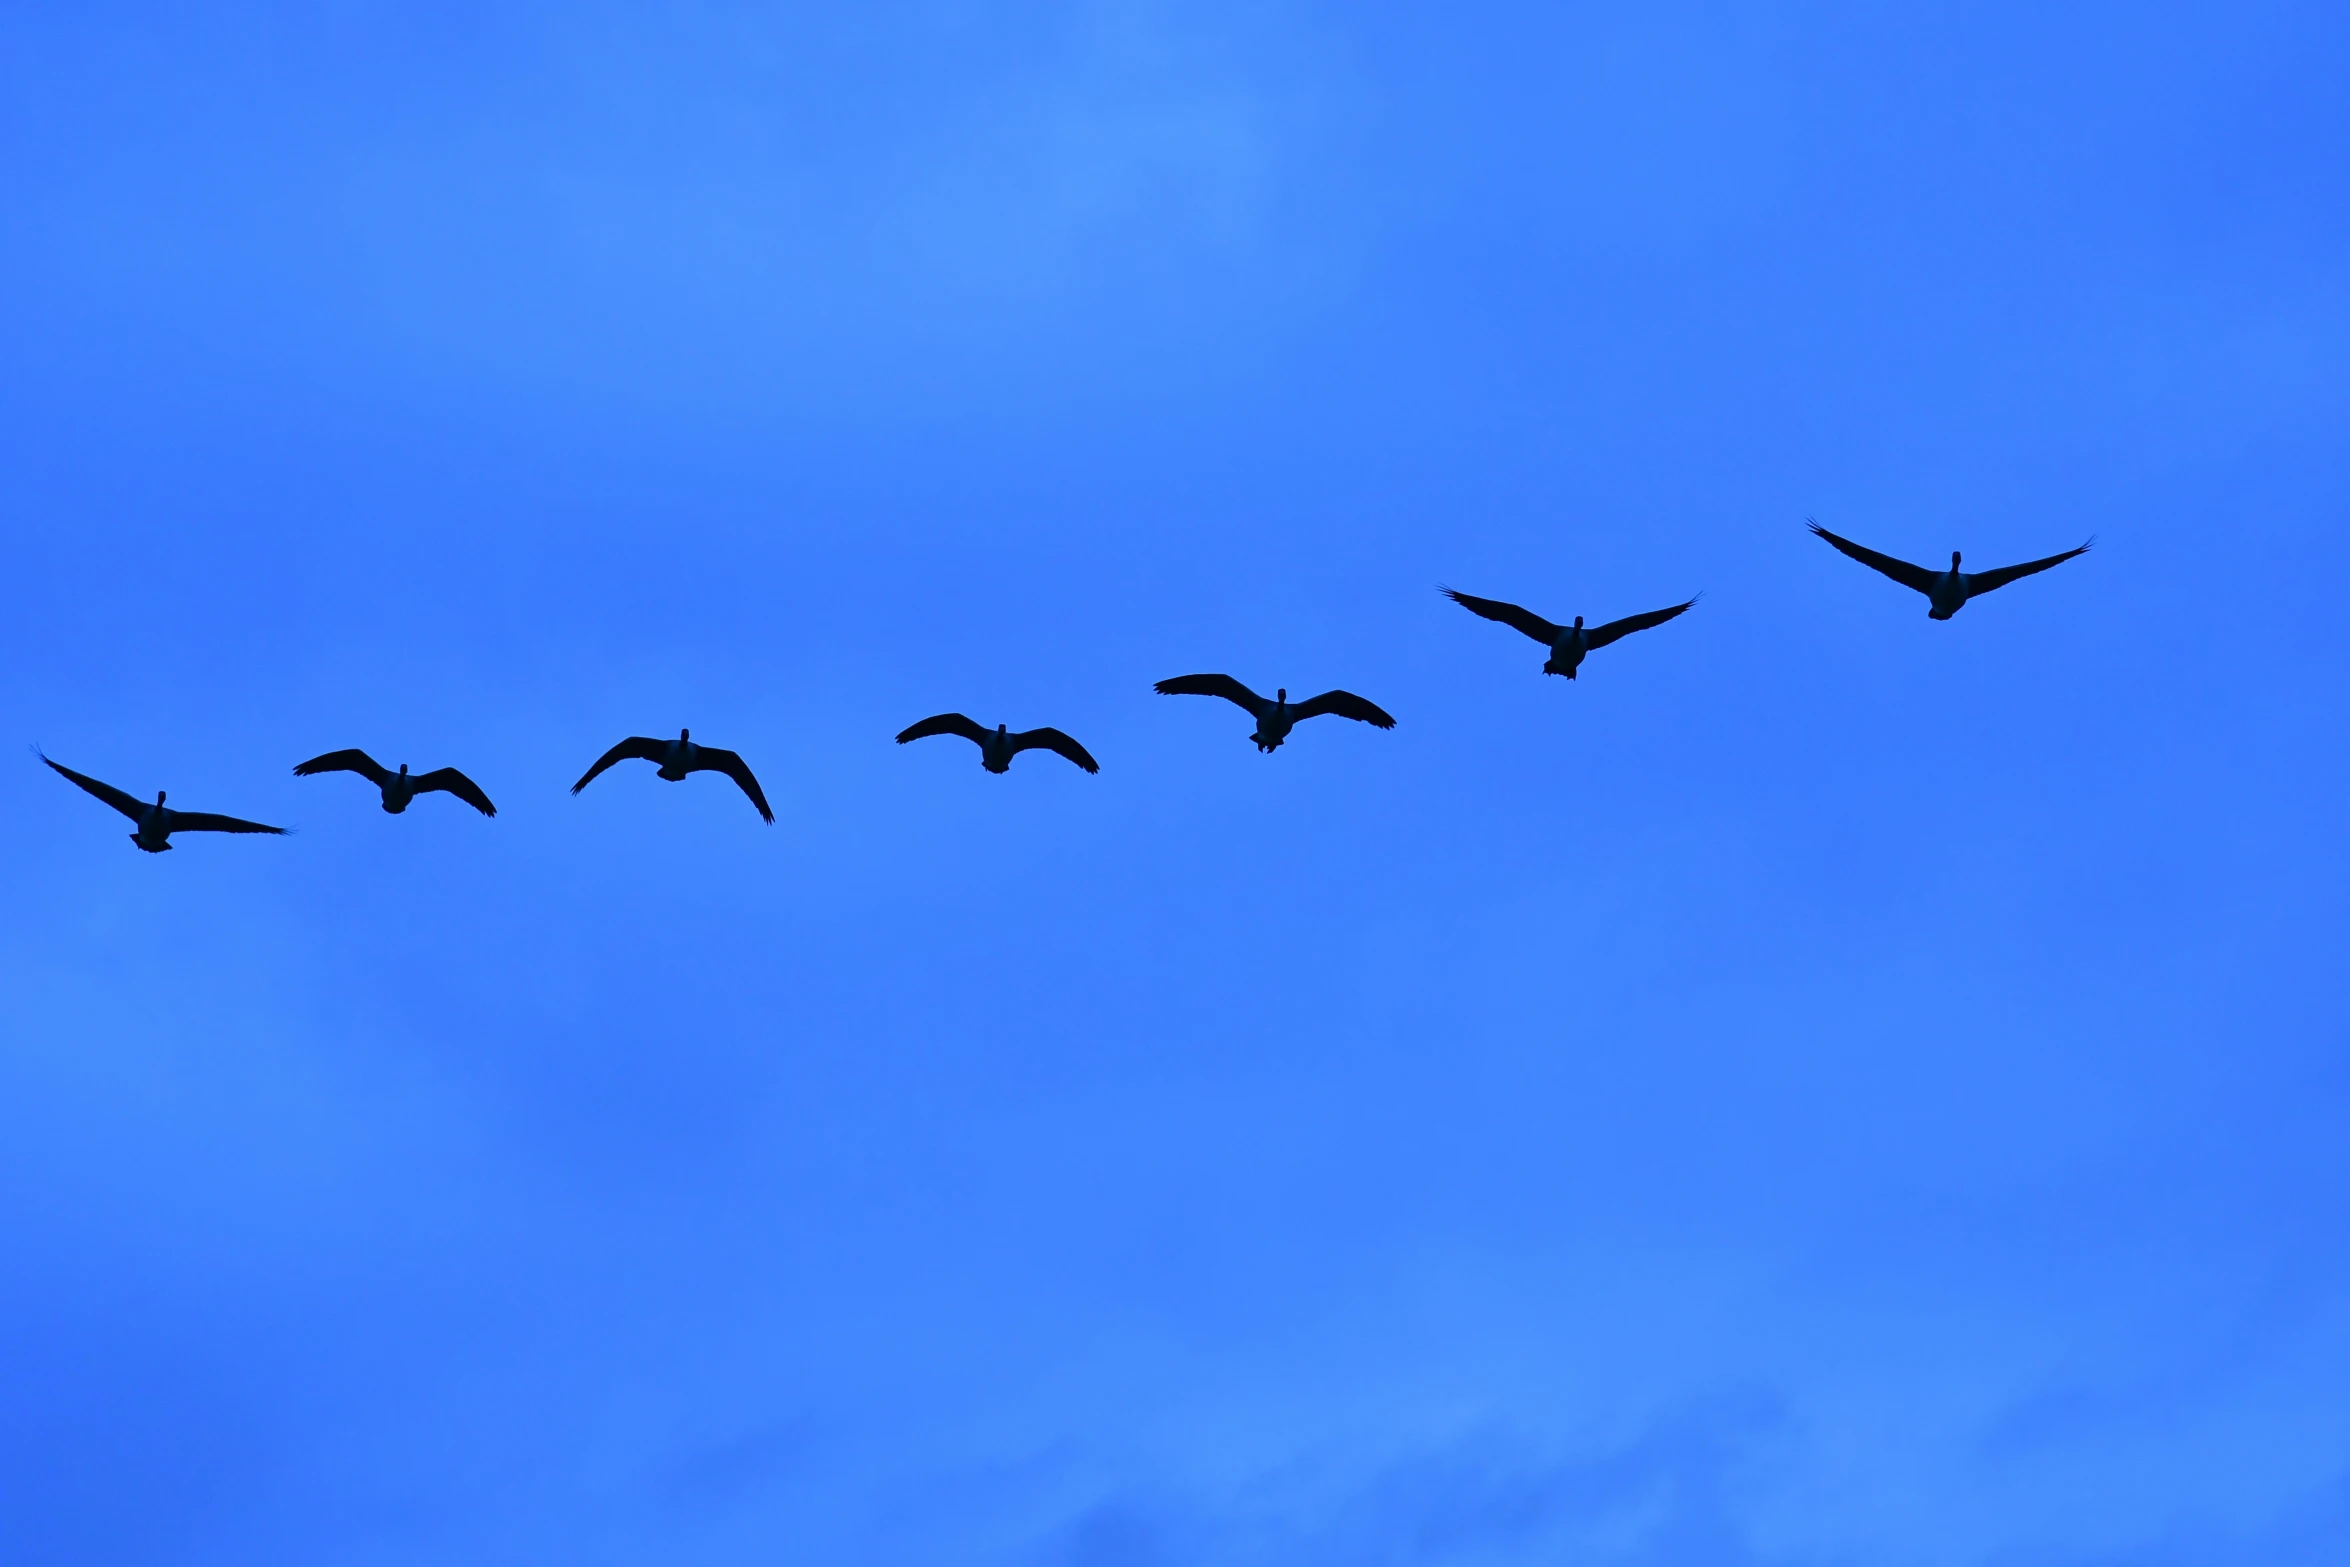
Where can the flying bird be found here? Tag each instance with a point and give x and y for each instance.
(157, 822)
(679, 757)
(999, 746)
(1276, 718)
(1946, 591)
(1567, 644)
(400, 787)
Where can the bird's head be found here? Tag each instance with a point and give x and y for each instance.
(683, 735)
(1281, 694)
(159, 797)
(1954, 560)
(403, 769)
(1578, 622)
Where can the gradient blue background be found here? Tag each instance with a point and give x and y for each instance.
(1825, 1088)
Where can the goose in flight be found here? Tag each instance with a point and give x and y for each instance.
(999, 746)
(1946, 591)
(1276, 718)
(679, 757)
(158, 822)
(1567, 644)
(400, 787)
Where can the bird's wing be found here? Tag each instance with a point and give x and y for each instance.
(206, 821)
(1224, 686)
(456, 783)
(1524, 620)
(136, 810)
(1054, 740)
(709, 759)
(346, 762)
(1900, 571)
(633, 748)
(1601, 636)
(1346, 705)
(2001, 576)
(944, 724)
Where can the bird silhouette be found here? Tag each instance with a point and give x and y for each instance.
(998, 746)
(1276, 718)
(1567, 644)
(157, 822)
(1946, 591)
(677, 758)
(400, 787)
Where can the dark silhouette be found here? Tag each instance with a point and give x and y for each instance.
(158, 822)
(1276, 718)
(1946, 591)
(998, 747)
(400, 787)
(679, 757)
(1567, 644)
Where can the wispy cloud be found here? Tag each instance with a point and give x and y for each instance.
(1675, 1493)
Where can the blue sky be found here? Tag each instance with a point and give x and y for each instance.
(1826, 1087)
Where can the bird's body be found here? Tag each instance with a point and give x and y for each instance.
(403, 786)
(1946, 591)
(1949, 593)
(156, 822)
(1566, 654)
(1275, 719)
(1568, 644)
(998, 746)
(1274, 723)
(676, 758)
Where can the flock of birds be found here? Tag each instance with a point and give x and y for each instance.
(1945, 591)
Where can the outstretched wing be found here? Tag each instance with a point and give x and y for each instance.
(635, 747)
(709, 759)
(1601, 636)
(1346, 705)
(944, 724)
(1224, 686)
(451, 781)
(136, 810)
(345, 762)
(205, 821)
(1900, 571)
(1054, 740)
(1524, 620)
(2001, 576)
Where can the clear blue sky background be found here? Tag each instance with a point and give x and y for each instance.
(1826, 1088)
